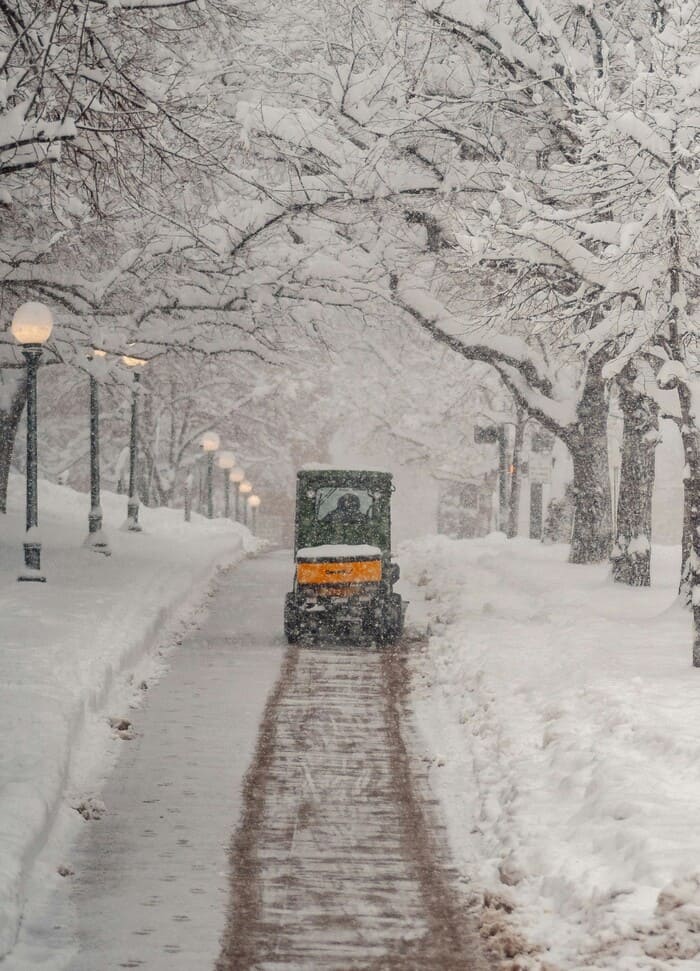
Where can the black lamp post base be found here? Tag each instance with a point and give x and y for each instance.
(32, 564)
(132, 517)
(96, 539)
(97, 542)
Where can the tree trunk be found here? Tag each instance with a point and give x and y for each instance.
(11, 407)
(690, 582)
(631, 556)
(690, 432)
(591, 538)
(691, 489)
(689, 589)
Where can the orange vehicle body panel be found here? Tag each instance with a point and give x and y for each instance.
(364, 571)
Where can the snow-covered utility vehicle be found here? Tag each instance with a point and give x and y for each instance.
(343, 578)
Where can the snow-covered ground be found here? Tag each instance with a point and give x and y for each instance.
(148, 880)
(75, 648)
(563, 716)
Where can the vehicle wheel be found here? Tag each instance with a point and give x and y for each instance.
(388, 627)
(292, 627)
(393, 623)
(373, 626)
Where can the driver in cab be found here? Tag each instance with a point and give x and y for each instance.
(347, 511)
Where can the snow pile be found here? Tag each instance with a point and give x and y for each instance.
(65, 642)
(338, 551)
(563, 716)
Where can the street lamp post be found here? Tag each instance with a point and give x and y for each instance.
(132, 506)
(188, 497)
(95, 539)
(31, 327)
(210, 442)
(245, 488)
(226, 461)
(254, 503)
(236, 476)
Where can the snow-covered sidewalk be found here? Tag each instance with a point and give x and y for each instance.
(563, 716)
(69, 645)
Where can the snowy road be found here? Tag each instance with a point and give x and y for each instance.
(337, 860)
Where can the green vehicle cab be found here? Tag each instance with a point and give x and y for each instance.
(343, 577)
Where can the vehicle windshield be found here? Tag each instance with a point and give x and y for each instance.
(344, 506)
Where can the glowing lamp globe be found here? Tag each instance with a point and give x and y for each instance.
(32, 323)
(225, 459)
(245, 487)
(236, 475)
(253, 501)
(210, 441)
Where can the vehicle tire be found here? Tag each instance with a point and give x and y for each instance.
(292, 626)
(394, 619)
(387, 629)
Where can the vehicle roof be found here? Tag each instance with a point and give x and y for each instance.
(345, 477)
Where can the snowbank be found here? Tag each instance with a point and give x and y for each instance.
(563, 717)
(65, 642)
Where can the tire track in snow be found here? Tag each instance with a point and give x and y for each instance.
(337, 861)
